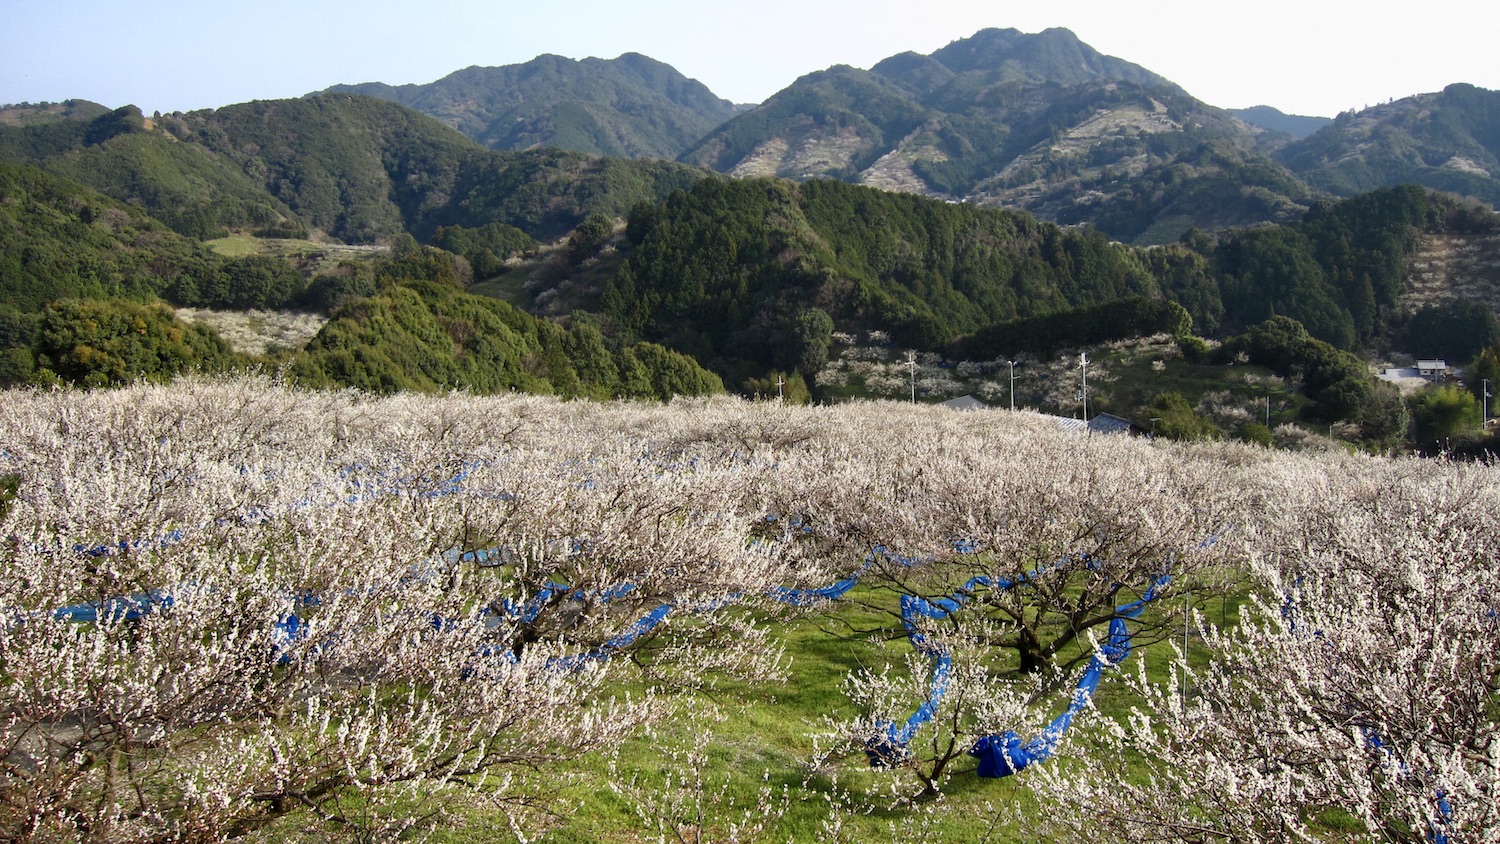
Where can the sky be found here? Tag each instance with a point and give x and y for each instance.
(1312, 57)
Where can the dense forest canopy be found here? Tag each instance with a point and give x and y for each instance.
(722, 271)
(354, 168)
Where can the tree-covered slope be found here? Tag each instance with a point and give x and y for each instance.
(353, 168)
(834, 122)
(360, 168)
(754, 274)
(59, 239)
(411, 326)
(33, 114)
(1448, 141)
(82, 276)
(125, 155)
(631, 106)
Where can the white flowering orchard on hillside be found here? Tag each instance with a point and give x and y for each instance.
(226, 603)
(1360, 694)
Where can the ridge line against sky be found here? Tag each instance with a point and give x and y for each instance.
(172, 55)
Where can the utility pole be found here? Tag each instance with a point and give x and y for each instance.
(1268, 411)
(780, 382)
(911, 362)
(1484, 404)
(1012, 384)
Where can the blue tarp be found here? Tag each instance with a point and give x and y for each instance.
(128, 608)
(890, 748)
(1003, 755)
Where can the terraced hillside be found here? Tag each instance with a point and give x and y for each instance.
(1454, 266)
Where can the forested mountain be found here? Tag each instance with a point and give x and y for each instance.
(1042, 123)
(127, 156)
(59, 239)
(420, 331)
(83, 278)
(631, 106)
(1036, 122)
(32, 114)
(1295, 125)
(747, 277)
(353, 168)
(1449, 141)
(753, 274)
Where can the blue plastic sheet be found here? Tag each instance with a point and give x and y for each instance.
(1007, 754)
(127, 608)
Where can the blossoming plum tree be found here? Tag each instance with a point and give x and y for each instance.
(1357, 699)
(226, 602)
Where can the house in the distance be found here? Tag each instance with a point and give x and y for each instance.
(965, 403)
(1104, 423)
(1433, 370)
(1411, 379)
(1108, 423)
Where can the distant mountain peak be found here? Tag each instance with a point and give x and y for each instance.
(632, 106)
(1052, 55)
(1036, 121)
(1266, 117)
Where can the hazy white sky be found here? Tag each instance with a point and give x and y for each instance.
(1301, 56)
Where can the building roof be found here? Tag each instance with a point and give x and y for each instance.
(1108, 423)
(965, 403)
(1104, 423)
(1071, 426)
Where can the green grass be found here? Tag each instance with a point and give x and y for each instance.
(768, 737)
(236, 246)
(312, 257)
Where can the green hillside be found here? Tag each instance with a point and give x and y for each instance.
(59, 239)
(83, 278)
(1447, 141)
(737, 273)
(749, 279)
(741, 274)
(352, 168)
(632, 106)
(419, 331)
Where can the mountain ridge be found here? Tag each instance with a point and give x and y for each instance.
(1267, 117)
(1037, 122)
(1447, 140)
(341, 166)
(632, 105)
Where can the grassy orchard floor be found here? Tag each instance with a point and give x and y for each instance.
(767, 738)
(313, 256)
